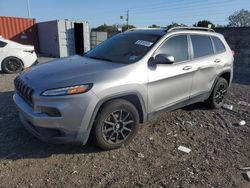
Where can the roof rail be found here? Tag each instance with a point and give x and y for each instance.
(143, 28)
(190, 28)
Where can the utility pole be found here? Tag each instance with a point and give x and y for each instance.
(127, 19)
(28, 8)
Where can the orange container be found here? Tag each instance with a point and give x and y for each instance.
(21, 30)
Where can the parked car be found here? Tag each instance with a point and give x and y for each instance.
(14, 57)
(124, 81)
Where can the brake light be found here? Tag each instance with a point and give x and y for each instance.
(29, 51)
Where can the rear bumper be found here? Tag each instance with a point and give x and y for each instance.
(69, 127)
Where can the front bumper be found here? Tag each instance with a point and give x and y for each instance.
(70, 127)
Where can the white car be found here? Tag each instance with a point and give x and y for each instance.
(15, 57)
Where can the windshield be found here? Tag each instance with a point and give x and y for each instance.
(124, 48)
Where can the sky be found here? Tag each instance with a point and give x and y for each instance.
(142, 13)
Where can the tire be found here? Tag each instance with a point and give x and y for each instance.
(12, 65)
(109, 130)
(217, 97)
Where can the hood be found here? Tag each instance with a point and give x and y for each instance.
(68, 71)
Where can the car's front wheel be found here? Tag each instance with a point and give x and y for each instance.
(12, 65)
(116, 124)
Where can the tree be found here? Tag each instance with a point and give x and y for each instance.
(239, 19)
(174, 24)
(125, 27)
(204, 23)
(106, 28)
(154, 26)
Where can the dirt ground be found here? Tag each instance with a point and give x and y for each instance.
(219, 147)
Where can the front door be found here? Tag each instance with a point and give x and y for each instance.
(170, 84)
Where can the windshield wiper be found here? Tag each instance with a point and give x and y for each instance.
(99, 58)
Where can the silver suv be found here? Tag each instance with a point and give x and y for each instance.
(125, 81)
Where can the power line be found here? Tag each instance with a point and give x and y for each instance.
(187, 7)
(182, 9)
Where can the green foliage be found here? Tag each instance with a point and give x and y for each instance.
(204, 23)
(174, 24)
(239, 19)
(111, 28)
(154, 26)
(125, 27)
(106, 28)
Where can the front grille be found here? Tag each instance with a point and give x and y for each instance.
(24, 90)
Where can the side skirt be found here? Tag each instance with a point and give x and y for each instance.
(198, 98)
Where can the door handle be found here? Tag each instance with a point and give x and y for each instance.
(217, 61)
(187, 68)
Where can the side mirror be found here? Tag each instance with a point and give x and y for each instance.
(164, 59)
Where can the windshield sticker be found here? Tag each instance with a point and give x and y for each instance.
(133, 57)
(144, 43)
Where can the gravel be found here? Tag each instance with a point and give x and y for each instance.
(219, 147)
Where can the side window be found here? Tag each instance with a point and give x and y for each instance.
(202, 45)
(219, 46)
(176, 46)
(2, 44)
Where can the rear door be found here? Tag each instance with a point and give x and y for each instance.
(170, 84)
(205, 64)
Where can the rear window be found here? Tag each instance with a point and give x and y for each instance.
(202, 45)
(2, 44)
(219, 46)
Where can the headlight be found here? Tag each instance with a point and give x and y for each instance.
(67, 90)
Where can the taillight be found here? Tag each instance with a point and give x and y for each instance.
(29, 51)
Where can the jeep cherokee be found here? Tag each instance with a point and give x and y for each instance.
(126, 80)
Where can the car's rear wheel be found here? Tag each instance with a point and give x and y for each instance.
(116, 124)
(217, 96)
(12, 65)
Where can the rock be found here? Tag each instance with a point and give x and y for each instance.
(245, 168)
(169, 133)
(151, 138)
(74, 172)
(248, 174)
(140, 155)
(243, 103)
(184, 149)
(228, 106)
(242, 122)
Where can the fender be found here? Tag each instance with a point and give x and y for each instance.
(84, 136)
(119, 95)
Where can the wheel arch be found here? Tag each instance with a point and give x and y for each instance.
(224, 74)
(227, 76)
(134, 97)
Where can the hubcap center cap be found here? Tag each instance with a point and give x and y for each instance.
(118, 125)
